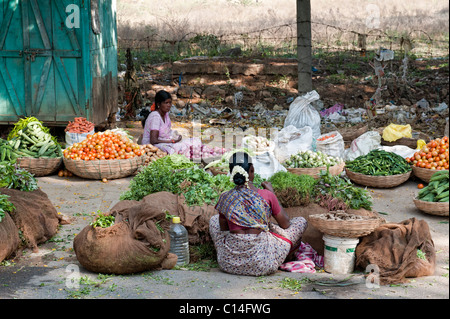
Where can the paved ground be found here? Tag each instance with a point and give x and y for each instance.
(49, 273)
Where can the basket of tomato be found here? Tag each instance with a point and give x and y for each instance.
(103, 155)
(432, 157)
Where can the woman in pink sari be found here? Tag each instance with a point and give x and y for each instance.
(158, 127)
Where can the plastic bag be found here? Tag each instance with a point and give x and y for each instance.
(302, 113)
(402, 150)
(72, 138)
(291, 140)
(332, 146)
(363, 145)
(393, 132)
(266, 164)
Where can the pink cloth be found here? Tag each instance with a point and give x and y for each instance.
(155, 122)
(306, 260)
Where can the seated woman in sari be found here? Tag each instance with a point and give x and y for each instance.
(158, 127)
(246, 241)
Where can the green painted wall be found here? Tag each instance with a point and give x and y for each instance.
(58, 60)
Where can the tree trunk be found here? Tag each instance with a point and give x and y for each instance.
(304, 46)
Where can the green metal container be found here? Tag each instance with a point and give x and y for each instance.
(58, 60)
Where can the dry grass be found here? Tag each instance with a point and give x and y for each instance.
(178, 19)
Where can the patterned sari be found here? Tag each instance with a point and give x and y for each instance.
(244, 207)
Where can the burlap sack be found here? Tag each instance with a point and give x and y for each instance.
(9, 238)
(35, 216)
(196, 220)
(138, 241)
(393, 249)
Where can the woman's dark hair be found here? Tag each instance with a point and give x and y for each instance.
(242, 159)
(161, 96)
(144, 113)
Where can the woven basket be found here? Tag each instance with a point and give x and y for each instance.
(41, 166)
(432, 208)
(378, 181)
(424, 173)
(99, 169)
(345, 228)
(315, 171)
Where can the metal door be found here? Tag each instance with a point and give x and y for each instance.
(41, 65)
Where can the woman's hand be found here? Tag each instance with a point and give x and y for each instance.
(268, 186)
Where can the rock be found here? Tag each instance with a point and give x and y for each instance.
(404, 101)
(265, 94)
(212, 92)
(277, 108)
(229, 99)
(187, 92)
(150, 94)
(180, 103)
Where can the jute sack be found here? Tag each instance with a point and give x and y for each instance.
(35, 216)
(393, 248)
(9, 238)
(138, 241)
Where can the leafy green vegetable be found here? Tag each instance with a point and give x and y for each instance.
(421, 255)
(103, 221)
(303, 183)
(342, 188)
(12, 176)
(5, 206)
(292, 189)
(174, 174)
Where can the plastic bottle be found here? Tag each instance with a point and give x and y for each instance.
(179, 241)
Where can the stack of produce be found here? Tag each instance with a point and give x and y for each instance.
(326, 137)
(310, 159)
(6, 152)
(176, 174)
(198, 152)
(14, 177)
(379, 163)
(293, 190)
(80, 125)
(434, 155)
(222, 164)
(5, 206)
(258, 144)
(30, 138)
(106, 145)
(437, 190)
(330, 187)
(152, 153)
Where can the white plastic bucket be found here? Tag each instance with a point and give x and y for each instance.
(339, 254)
